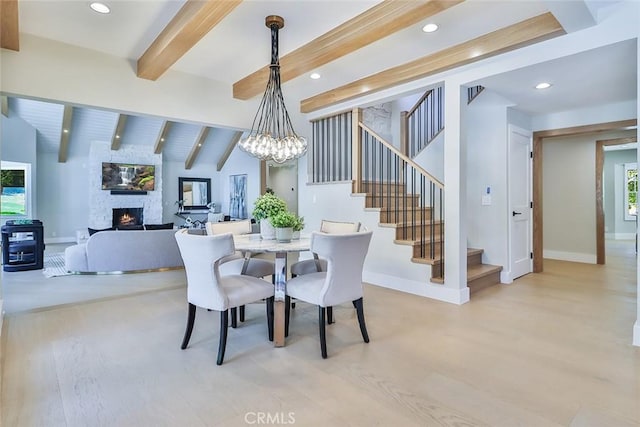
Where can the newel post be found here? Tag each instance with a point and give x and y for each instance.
(404, 137)
(356, 150)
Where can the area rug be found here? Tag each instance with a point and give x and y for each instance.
(54, 265)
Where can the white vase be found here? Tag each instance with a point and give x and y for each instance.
(267, 232)
(283, 234)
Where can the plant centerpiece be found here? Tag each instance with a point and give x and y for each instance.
(266, 206)
(284, 222)
(298, 226)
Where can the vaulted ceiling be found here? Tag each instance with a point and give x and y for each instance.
(357, 47)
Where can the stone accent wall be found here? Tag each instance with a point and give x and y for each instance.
(378, 118)
(101, 202)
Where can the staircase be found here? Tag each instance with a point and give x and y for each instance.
(415, 227)
(408, 198)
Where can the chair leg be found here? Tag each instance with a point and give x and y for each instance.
(323, 337)
(363, 327)
(287, 314)
(242, 313)
(234, 317)
(224, 324)
(293, 304)
(270, 317)
(191, 317)
(330, 315)
(354, 304)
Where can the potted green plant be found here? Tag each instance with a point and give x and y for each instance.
(284, 222)
(265, 207)
(298, 226)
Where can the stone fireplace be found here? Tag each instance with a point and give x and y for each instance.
(102, 202)
(124, 217)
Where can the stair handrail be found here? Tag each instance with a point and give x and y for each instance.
(433, 124)
(425, 232)
(420, 101)
(402, 156)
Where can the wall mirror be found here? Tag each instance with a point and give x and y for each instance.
(195, 193)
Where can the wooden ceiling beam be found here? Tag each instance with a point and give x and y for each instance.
(372, 25)
(527, 32)
(65, 134)
(162, 137)
(9, 25)
(116, 139)
(192, 22)
(195, 150)
(232, 144)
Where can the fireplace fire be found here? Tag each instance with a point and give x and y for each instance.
(124, 217)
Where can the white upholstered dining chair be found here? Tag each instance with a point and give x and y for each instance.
(208, 289)
(235, 263)
(340, 283)
(317, 264)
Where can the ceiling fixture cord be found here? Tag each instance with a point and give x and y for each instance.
(272, 136)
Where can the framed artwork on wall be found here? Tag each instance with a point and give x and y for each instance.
(238, 196)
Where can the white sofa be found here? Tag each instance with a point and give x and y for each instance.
(124, 250)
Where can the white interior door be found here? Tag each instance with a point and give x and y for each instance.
(520, 219)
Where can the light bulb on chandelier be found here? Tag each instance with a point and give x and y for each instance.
(272, 136)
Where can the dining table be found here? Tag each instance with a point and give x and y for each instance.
(254, 243)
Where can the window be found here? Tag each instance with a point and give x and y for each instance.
(630, 191)
(15, 180)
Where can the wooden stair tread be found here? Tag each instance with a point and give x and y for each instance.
(408, 242)
(480, 270)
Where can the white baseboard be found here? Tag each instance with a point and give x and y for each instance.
(505, 277)
(428, 290)
(620, 236)
(636, 333)
(570, 256)
(624, 236)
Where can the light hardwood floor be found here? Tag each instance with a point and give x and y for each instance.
(550, 349)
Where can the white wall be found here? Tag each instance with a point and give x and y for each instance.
(485, 130)
(171, 171)
(239, 163)
(64, 196)
(283, 180)
(387, 264)
(568, 198)
(18, 144)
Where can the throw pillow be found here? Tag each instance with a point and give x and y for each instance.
(167, 226)
(93, 231)
(130, 227)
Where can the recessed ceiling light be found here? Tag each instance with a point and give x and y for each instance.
(65, 130)
(315, 76)
(100, 7)
(430, 28)
(543, 85)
